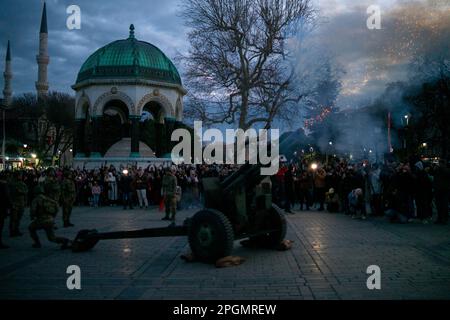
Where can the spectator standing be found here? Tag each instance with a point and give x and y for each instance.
(442, 191)
(112, 188)
(96, 191)
(126, 189)
(140, 183)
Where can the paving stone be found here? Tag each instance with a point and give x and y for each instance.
(328, 261)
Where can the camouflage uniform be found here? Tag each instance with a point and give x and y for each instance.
(43, 211)
(5, 204)
(169, 187)
(68, 194)
(19, 200)
(52, 188)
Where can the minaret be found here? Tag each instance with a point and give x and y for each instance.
(7, 92)
(42, 58)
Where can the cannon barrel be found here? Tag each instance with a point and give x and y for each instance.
(87, 239)
(143, 233)
(249, 174)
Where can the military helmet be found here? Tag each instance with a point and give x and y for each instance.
(17, 174)
(39, 189)
(67, 173)
(51, 172)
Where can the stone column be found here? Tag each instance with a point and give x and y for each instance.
(134, 136)
(79, 141)
(169, 124)
(7, 91)
(96, 132)
(158, 139)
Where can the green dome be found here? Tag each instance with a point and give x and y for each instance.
(129, 58)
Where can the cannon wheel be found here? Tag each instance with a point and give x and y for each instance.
(84, 241)
(276, 220)
(210, 235)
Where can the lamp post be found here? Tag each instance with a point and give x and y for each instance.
(4, 107)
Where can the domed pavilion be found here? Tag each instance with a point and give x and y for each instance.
(129, 99)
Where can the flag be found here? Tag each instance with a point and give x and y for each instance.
(389, 133)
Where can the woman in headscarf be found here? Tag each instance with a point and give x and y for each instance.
(112, 188)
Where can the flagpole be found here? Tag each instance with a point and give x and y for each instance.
(389, 132)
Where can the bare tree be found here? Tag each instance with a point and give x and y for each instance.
(238, 68)
(50, 120)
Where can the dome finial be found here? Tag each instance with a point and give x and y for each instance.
(131, 31)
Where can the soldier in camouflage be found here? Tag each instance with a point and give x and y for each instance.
(19, 191)
(5, 204)
(51, 186)
(68, 194)
(43, 211)
(169, 188)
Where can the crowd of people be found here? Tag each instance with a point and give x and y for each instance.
(403, 192)
(166, 187)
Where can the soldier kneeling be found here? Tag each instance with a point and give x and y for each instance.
(43, 212)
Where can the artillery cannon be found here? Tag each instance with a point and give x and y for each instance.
(238, 207)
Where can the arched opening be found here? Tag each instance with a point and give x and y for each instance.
(82, 134)
(152, 125)
(115, 124)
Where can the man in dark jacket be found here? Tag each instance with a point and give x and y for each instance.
(442, 191)
(5, 204)
(289, 189)
(126, 188)
(423, 193)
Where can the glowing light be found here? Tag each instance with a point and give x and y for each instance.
(319, 118)
(314, 166)
(33, 155)
(125, 171)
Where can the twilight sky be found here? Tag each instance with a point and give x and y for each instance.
(370, 58)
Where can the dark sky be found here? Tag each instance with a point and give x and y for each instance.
(101, 22)
(370, 58)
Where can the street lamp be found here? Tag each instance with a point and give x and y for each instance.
(407, 117)
(4, 107)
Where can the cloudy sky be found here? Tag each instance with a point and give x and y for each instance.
(370, 58)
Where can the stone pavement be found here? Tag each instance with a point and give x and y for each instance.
(329, 259)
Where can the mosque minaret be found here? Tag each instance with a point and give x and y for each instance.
(7, 91)
(42, 58)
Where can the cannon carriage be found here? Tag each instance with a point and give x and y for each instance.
(239, 207)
